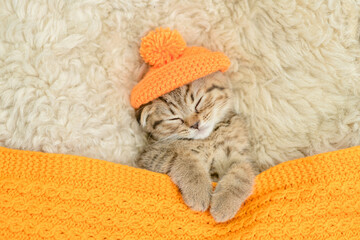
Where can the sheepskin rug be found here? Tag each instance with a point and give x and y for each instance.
(67, 69)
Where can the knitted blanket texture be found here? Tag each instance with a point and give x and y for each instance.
(55, 196)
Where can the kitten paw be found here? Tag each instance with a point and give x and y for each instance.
(224, 206)
(198, 199)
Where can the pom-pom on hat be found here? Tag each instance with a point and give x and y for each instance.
(173, 65)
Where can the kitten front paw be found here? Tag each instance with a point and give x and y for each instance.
(197, 198)
(224, 206)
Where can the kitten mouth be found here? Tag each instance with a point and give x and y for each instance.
(203, 132)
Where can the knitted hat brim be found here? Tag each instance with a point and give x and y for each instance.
(176, 74)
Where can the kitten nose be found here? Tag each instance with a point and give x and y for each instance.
(196, 125)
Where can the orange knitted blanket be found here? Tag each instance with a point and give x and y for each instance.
(54, 196)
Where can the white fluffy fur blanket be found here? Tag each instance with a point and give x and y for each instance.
(67, 69)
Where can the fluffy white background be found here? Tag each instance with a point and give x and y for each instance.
(67, 69)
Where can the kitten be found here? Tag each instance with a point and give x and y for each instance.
(195, 137)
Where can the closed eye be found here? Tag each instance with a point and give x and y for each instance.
(175, 119)
(197, 104)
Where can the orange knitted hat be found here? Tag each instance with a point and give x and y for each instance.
(173, 65)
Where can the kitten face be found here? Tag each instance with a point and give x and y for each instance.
(189, 112)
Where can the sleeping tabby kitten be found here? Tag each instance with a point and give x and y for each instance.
(195, 137)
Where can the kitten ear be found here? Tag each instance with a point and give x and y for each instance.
(142, 114)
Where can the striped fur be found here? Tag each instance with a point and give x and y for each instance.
(196, 139)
